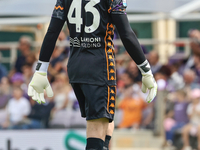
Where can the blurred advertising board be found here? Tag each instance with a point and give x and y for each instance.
(58, 139)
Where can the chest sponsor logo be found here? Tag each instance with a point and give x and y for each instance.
(85, 42)
(75, 42)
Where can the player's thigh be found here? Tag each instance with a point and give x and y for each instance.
(97, 128)
(80, 97)
(99, 101)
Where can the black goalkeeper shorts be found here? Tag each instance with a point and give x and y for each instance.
(95, 101)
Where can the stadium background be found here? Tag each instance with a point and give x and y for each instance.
(168, 31)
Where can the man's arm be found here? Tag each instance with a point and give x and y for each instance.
(117, 10)
(50, 39)
(39, 81)
(134, 49)
(128, 38)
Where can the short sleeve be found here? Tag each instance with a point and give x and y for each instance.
(59, 10)
(117, 6)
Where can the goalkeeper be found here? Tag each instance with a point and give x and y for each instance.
(91, 66)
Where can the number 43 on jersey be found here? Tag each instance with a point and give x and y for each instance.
(78, 21)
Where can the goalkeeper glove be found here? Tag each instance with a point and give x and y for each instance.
(148, 81)
(40, 82)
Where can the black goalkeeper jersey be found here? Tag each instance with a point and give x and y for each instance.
(92, 57)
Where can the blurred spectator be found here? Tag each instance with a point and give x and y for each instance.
(18, 109)
(162, 77)
(125, 81)
(66, 105)
(61, 92)
(17, 80)
(5, 95)
(168, 123)
(76, 119)
(27, 73)
(196, 68)
(3, 70)
(120, 65)
(131, 101)
(153, 59)
(177, 117)
(193, 127)
(194, 34)
(39, 115)
(190, 80)
(133, 70)
(5, 92)
(30, 59)
(175, 82)
(25, 49)
(132, 110)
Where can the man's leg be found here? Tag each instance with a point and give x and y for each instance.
(96, 132)
(97, 104)
(108, 135)
(198, 137)
(185, 135)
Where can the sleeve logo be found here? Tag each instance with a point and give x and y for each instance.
(124, 3)
(146, 67)
(59, 7)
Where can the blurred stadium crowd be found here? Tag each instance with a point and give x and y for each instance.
(180, 78)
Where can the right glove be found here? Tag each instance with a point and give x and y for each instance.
(37, 85)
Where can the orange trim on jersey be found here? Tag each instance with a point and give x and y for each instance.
(106, 51)
(112, 91)
(114, 68)
(109, 10)
(108, 98)
(109, 48)
(112, 26)
(112, 112)
(112, 105)
(61, 8)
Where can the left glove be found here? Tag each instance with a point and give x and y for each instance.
(148, 81)
(38, 84)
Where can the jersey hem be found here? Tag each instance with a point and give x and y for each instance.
(93, 83)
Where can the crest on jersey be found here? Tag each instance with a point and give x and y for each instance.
(124, 3)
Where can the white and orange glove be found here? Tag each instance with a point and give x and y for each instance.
(148, 81)
(39, 83)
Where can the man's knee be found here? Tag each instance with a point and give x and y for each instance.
(97, 128)
(186, 129)
(96, 131)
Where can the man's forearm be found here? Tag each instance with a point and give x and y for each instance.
(50, 39)
(128, 38)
